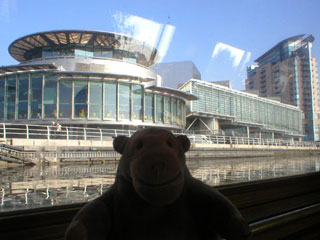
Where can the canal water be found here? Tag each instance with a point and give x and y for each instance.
(42, 186)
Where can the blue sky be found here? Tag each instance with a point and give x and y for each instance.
(220, 37)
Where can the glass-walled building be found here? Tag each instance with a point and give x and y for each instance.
(288, 72)
(87, 78)
(223, 108)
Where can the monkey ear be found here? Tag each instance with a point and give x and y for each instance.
(185, 142)
(119, 143)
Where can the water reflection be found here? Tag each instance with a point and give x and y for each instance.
(41, 186)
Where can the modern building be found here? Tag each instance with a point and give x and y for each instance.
(105, 80)
(174, 74)
(237, 113)
(288, 72)
(87, 78)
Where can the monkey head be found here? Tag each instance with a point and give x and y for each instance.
(153, 160)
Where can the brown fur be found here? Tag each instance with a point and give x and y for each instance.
(155, 197)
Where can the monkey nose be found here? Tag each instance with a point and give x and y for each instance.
(158, 168)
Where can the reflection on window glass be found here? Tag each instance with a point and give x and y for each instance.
(137, 102)
(159, 108)
(183, 109)
(110, 100)
(11, 97)
(50, 96)
(174, 111)
(148, 116)
(95, 110)
(2, 98)
(65, 99)
(36, 96)
(167, 110)
(83, 53)
(179, 112)
(80, 99)
(23, 85)
(100, 52)
(124, 101)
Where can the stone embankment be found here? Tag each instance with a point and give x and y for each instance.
(57, 151)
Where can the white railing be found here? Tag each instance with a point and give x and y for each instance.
(214, 139)
(29, 131)
(35, 156)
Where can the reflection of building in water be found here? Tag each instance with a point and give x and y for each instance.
(288, 72)
(53, 185)
(68, 184)
(87, 78)
(217, 172)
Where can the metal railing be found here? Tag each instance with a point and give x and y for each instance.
(29, 131)
(48, 132)
(213, 139)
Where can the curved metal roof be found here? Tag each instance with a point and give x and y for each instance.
(26, 47)
(294, 38)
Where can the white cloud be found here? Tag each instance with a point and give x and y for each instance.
(6, 7)
(155, 34)
(140, 28)
(236, 54)
(227, 63)
(165, 41)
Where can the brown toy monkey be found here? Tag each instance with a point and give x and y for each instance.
(155, 197)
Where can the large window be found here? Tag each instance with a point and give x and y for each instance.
(65, 99)
(124, 101)
(11, 97)
(2, 81)
(95, 107)
(174, 110)
(148, 115)
(80, 99)
(159, 108)
(23, 95)
(110, 100)
(179, 112)
(167, 109)
(36, 96)
(50, 96)
(137, 102)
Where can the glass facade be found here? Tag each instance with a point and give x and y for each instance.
(45, 96)
(50, 96)
(137, 102)
(95, 107)
(148, 101)
(167, 109)
(90, 52)
(23, 96)
(36, 96)
(2, 84)
(110, 102)
(10, 97)
(245, 108)
(159, 108)
(65, 99)
(174, 111)
(80, 99)
(124, 101)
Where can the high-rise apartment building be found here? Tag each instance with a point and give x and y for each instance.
(288, 73)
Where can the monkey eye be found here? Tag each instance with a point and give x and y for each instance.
(169, 143)
(139, 145)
